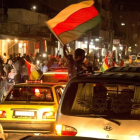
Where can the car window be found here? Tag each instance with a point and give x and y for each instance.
(58, 91)
(112, 100)
(30, 94)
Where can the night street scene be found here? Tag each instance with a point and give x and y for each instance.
(69, 69)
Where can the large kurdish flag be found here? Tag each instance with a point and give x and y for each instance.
(73, 21)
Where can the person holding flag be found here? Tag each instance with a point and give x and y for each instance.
(33, 71)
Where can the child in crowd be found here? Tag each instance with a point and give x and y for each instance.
(11, 76)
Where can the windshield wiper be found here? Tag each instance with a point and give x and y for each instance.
(100, 116)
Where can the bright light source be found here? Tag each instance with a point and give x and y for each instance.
(8, 40)
(36, 134)
(91, 43)
(44, 55)
(136, 45)
(34, 7)
(96, 48)
(37, 61)
(97, 39)
(86, 42)
(123, 24)
(58, 129)
(121, 48)
(16, 40)
(20, 45)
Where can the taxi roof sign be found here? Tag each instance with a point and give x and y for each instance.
(33, 81)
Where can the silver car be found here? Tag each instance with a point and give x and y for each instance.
(103, 105)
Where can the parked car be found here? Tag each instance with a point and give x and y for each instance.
(104, 105)
(30, 107)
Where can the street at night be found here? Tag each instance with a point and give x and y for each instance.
(69, 69)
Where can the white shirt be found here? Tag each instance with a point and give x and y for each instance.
(44, 68)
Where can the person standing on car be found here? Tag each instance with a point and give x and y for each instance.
(79, 66)
(70, 61)
(75, 65)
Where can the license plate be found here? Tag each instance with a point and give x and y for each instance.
(24, 113)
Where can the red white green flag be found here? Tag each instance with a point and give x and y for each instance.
(74, 21)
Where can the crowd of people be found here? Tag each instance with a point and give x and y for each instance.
(13, 68)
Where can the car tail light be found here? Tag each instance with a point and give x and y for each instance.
(2, 114)
(63, 130)
(48, 115)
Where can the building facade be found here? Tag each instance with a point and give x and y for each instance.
(23, 31)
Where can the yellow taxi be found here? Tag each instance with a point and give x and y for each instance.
(137, 60)
(30, 107)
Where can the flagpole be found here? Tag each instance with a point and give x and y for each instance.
(55, 34)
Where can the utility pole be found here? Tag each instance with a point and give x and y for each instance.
(88, 41)
(127, 31)
(2, 11)
(111, 29)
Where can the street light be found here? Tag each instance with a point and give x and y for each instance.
(8, 40)
(33, 8)
(121, 48)
(123, 24)
(97, 39)
(16, 40)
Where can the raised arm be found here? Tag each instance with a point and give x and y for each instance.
(65, 51)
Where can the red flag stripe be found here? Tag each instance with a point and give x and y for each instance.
(106, 61)
(122, 63)
(80, 15)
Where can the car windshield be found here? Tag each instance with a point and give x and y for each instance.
(55, 77)
(30, 94)
(110, 100)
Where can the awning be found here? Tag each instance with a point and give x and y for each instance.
(22, 36)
